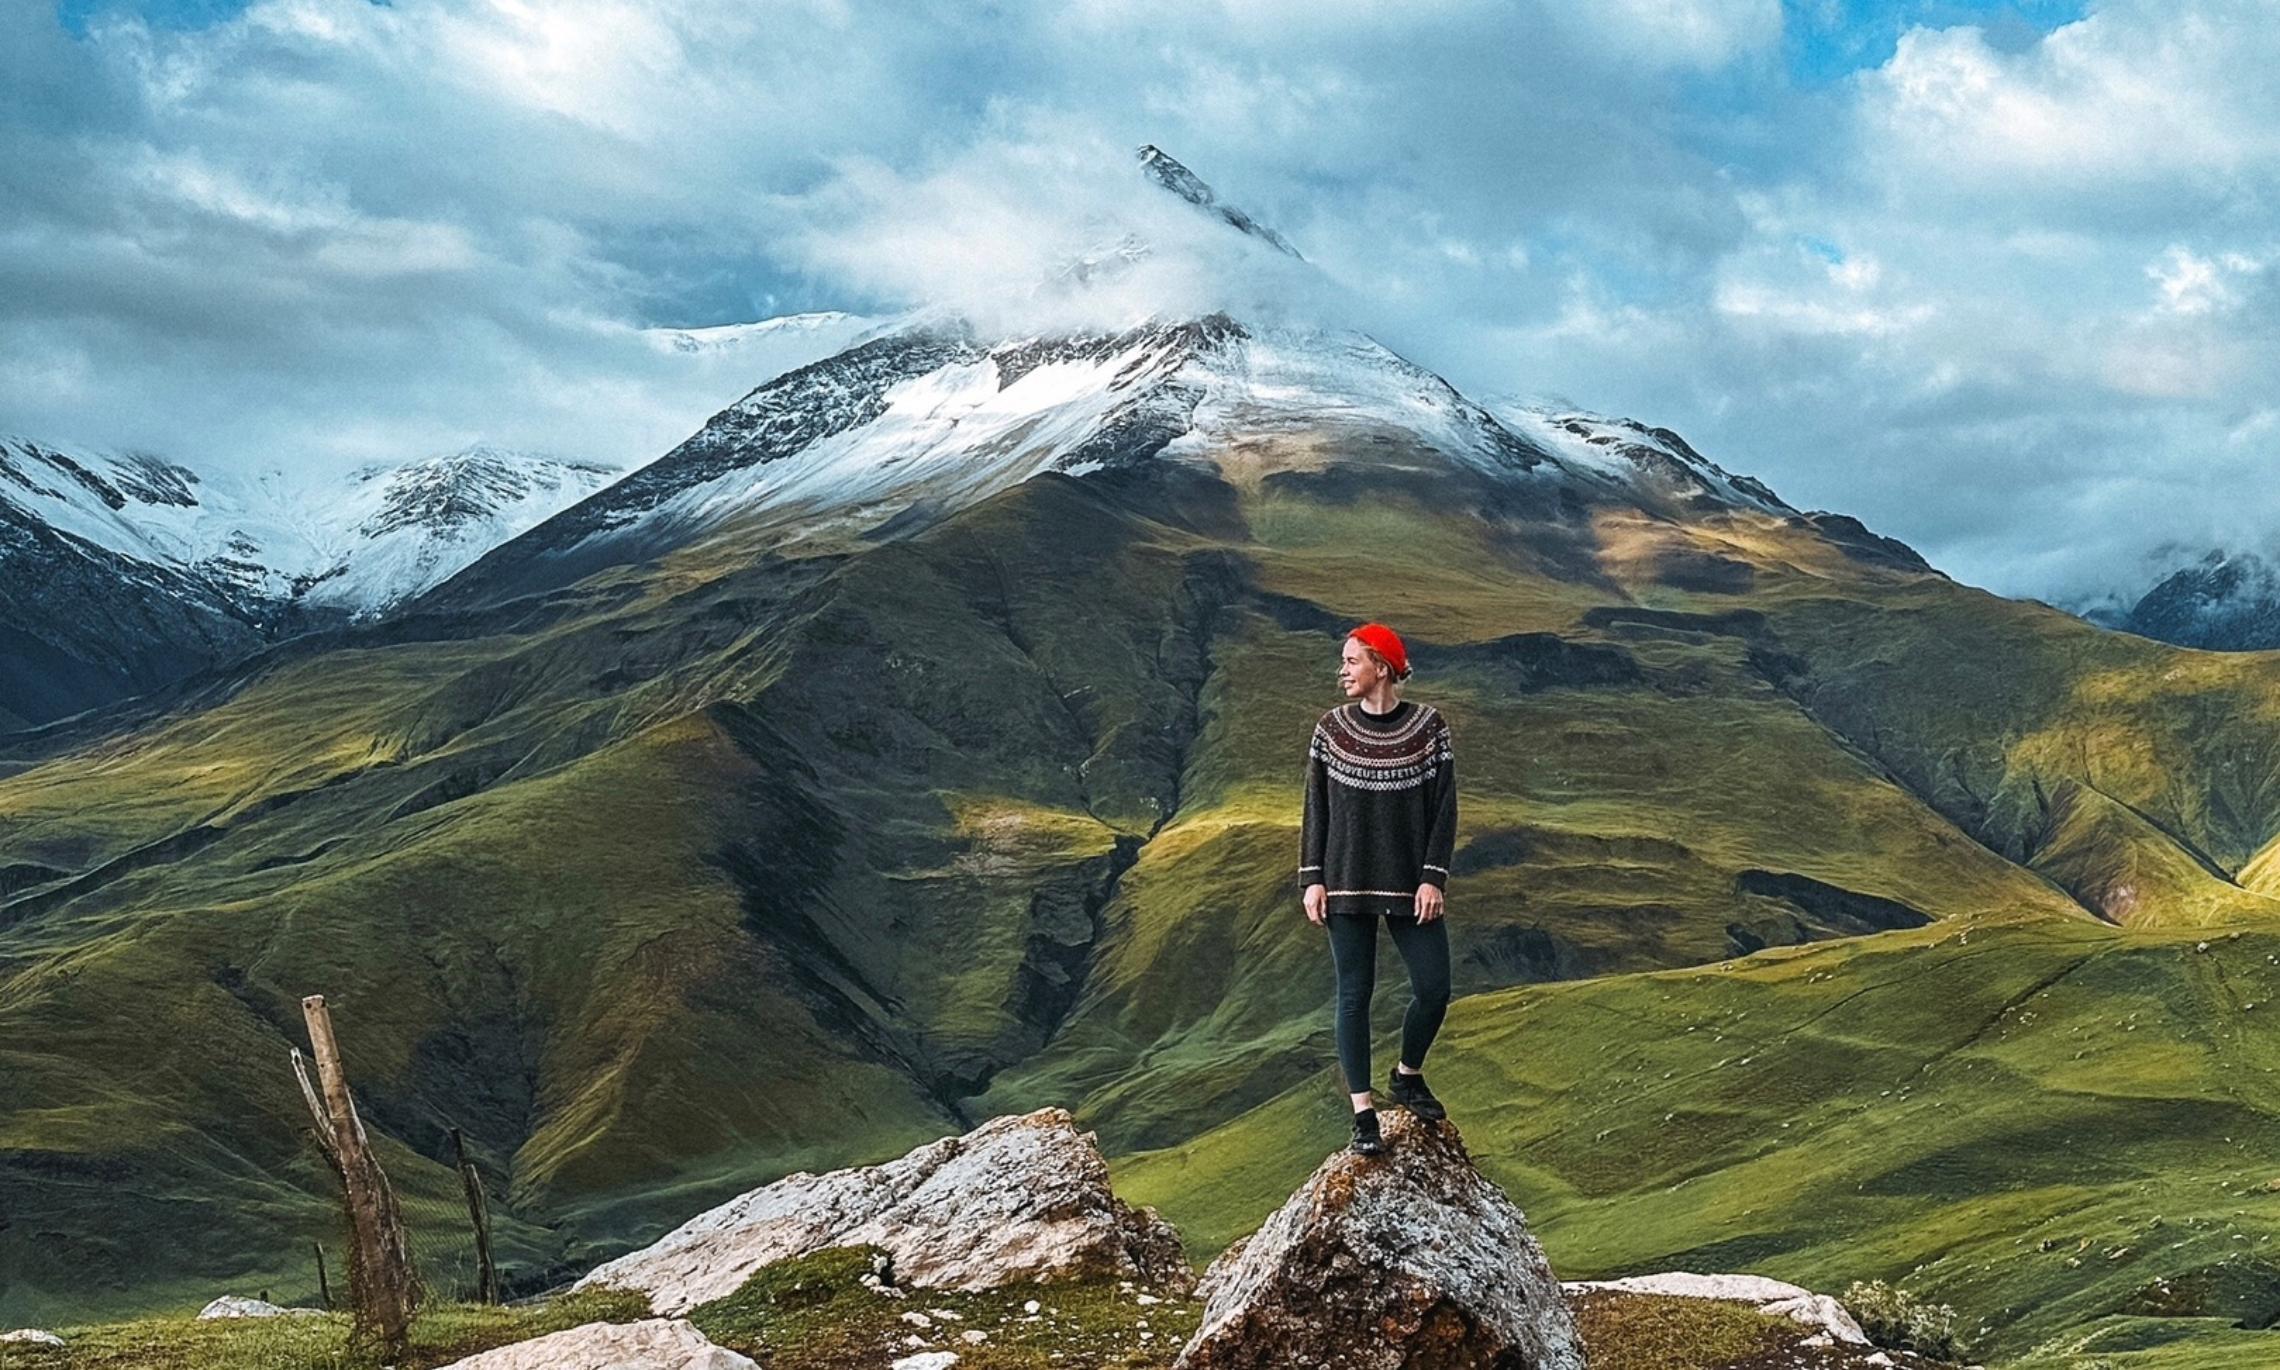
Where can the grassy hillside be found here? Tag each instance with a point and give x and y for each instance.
(757, 857)
(2066, 1131)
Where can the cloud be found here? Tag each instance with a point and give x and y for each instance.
(1023, 235)
(326, 231)
(2130, 95)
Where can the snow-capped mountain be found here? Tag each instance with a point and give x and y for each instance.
(912, 418)
(395, 531)
(926, 416)
(356, 543)
(919, 422)
(1633, 457)
(832, 328)
(120, 570)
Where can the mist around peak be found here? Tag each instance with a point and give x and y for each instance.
(1026, 238)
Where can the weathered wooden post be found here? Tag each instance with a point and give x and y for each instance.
(324, 1286)
(383, 1288)
(479, 1213)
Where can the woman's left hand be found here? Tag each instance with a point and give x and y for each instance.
(1428, 903)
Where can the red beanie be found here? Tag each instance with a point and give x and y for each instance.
(1386, 643)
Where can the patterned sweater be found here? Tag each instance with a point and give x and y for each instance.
(1381, 807)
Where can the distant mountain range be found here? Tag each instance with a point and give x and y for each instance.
(121, 571)
(2221, 601)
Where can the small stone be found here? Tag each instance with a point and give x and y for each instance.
(925, 1360)
(973, 1336)
(917, 1319)
(1031, 1306)
(1776, 1297)
(650, 1344)
(32, 1336)
(236, 1306)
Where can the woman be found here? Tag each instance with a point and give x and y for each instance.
(1380, 821)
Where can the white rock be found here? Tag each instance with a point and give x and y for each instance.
(233, 1306)
(651, 1344)
(1018, 1199)
(926, 1360)
(33, 1336)
(917, 1319)
(1031, 1306)
(973, 1336)
(1794, 1302)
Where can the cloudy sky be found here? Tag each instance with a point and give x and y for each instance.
(1998, 277)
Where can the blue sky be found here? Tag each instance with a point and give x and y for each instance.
(1999, 278)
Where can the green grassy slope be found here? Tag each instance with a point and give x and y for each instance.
(2060, 1128)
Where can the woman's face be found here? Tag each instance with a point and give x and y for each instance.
(1358, 669)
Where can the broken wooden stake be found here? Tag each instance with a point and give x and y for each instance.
(383, 1287)
(479, 1213)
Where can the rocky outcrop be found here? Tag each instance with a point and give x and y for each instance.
(1411, 1259)
(1019, 1199)
(1790, 1301)
(651, 1344)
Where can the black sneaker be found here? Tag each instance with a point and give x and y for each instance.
(1410, 1092)
(1366, 1138)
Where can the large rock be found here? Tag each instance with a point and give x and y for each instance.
(1791, 1301)
(1410, 1258)
(1021, 1198)
(651, 1344)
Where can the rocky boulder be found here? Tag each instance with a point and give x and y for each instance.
(1019, 1199)
(1411, 1259)
(651, 1344)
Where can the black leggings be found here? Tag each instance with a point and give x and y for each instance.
(1424, 948)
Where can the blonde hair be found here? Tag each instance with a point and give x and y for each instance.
(1387, 666)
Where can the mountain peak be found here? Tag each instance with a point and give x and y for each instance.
(1167, 171)
(445, 494)
(1637, 457)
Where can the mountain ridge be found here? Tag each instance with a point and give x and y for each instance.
(124, 571)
